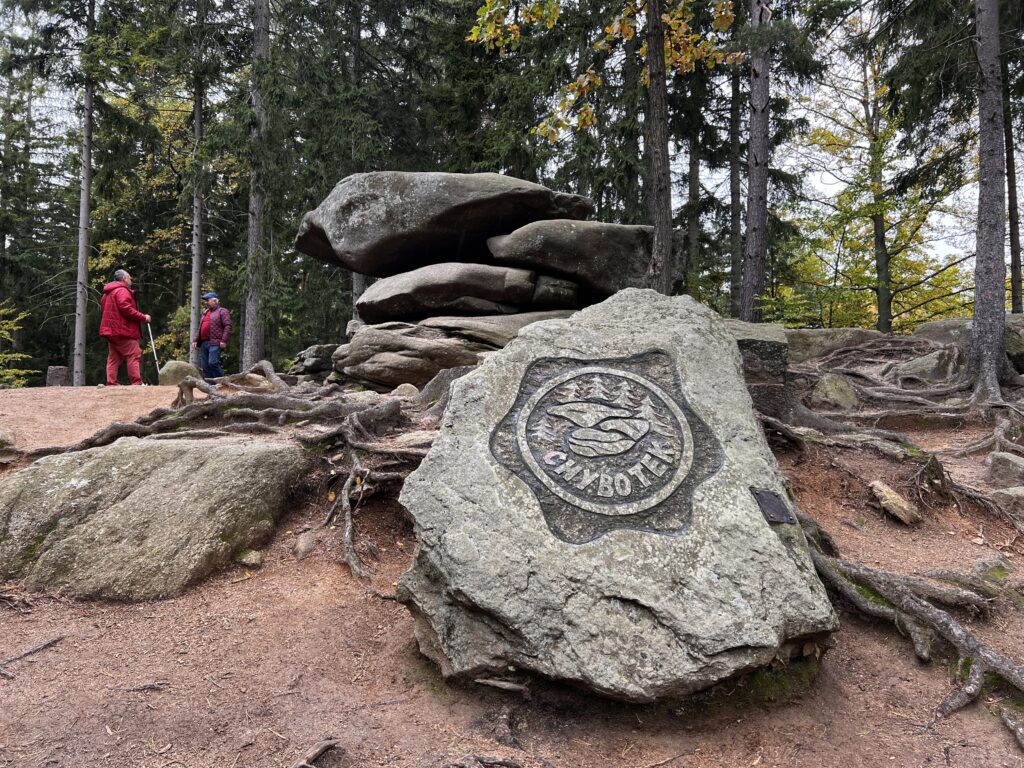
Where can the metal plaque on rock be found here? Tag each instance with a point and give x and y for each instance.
(607, 445)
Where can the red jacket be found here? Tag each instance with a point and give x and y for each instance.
(121, 316)
(220, 326)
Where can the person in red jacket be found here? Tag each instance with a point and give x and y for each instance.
(120, 326)
(212, 338)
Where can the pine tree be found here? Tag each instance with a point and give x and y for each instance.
(658, 422)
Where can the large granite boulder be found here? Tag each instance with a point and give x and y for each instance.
(390, 354)
(142, 519)
(467, 289)
(808, 343)
(600, 506)
(951, 330)
(602, 258)
(388, 222)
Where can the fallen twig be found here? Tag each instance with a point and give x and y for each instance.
(476, 761)
(504, 685)
(29, 652)
(156, 685)
(324, 746)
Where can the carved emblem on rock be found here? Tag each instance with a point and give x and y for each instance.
(607, 445)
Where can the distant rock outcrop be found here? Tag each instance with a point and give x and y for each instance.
(807, 343)
(957, 331)
(426, 235)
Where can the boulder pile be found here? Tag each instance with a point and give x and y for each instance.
(465, 261)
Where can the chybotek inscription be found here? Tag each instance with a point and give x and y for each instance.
(607, 445)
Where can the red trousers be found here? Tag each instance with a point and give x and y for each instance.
(118, 349)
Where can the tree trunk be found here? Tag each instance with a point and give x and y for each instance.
(883, 287)
(691, 269)
(356, 72)
(198, 181)
(758, 149)
(252, 342)
(1011, 192)
(84, 211)
(6, 177)
(735, 212)
(659, 272)
(358, 287)
(632, 194)
(873, 123)
(987, 355)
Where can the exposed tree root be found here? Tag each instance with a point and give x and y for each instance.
(1014, 724)
(911, 604)
(34, 649)
(17, 603)
(358, 481)
(355, 422)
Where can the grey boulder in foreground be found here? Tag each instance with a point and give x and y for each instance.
(142, 519)
(601, 507)
(388, 222)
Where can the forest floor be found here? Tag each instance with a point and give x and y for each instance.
(253, 668)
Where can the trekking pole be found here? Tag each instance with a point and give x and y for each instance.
(152, 345)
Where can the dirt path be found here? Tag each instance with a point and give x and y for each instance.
(43, 416)
(252, 668)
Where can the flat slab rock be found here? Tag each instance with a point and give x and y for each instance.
(390, 354)
(600, 506)
(388, 222)
(496, 330)
(142, 519)
(466, 289)
(602, 258)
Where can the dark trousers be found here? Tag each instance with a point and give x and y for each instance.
(209, 360)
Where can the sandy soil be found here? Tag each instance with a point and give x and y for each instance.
(43, 416)
(253, 668)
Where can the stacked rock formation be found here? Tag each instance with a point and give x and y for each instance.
(465, 261)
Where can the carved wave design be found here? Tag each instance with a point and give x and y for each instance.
(604, 430)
